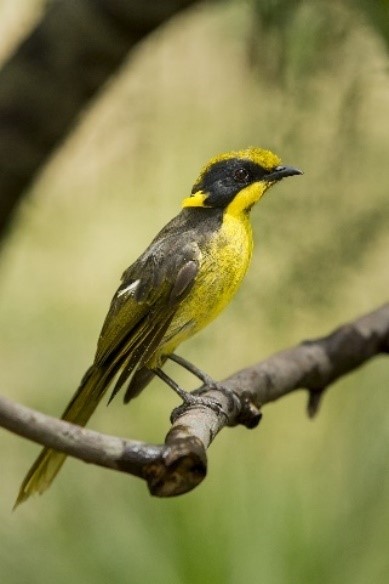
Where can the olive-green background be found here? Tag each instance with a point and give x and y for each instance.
(294, 500)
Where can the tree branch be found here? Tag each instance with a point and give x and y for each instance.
(180, 464)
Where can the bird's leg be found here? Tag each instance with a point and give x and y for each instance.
(208, 381)
(204, 377)
(188, 398)
(184, 395)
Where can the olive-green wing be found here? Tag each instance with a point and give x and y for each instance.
(144, 305)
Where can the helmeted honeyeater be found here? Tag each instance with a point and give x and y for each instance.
(184, 279)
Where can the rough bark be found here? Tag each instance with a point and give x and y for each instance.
(180, 464)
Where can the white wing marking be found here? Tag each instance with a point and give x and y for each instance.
(130, 289)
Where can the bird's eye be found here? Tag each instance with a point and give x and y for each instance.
(241, 175)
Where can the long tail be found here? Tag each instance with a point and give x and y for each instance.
(84, 402)
(139, 380)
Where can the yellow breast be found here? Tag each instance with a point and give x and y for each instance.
(224, 263)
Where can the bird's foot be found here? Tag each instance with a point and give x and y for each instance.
(212, 385)
(189, 399)
(208, 383)
(193, 400)
(249, 413)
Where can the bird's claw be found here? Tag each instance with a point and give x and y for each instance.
(233, 399)
(191, 400)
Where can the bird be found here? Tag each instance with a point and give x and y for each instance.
(187, 275)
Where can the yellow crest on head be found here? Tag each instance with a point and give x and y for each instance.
(265, 158)
(258, 156)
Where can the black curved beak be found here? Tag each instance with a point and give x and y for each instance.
(280, 172)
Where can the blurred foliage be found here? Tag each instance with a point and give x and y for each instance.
(377, 12)
(293, 38)
(294, 501)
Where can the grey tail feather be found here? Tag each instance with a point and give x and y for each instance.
(139, 380)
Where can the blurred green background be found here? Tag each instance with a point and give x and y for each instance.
(295, 500)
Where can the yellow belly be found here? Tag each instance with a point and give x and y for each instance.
(224, 264)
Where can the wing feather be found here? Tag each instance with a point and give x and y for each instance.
(144, 305)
